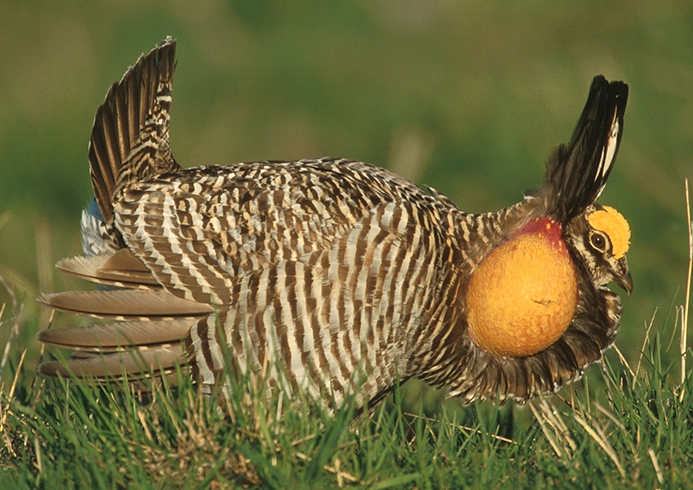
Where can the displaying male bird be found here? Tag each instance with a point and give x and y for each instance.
(334, 275)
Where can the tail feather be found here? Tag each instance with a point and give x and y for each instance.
(133, 106)
(126, 304)
(129, 143)
(121, 269)
(117, 336)
(139, 362)
(576, 174)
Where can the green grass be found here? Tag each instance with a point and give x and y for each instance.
(620, 427)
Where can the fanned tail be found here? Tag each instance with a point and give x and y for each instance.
(147, 339)
(130, 137)
(576, 174)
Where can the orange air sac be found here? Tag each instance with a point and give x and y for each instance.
(523, 295)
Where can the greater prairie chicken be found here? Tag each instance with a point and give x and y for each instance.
(342, 275)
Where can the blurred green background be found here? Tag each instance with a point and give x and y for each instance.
(468, 97)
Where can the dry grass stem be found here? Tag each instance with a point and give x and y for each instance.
(547, 433)
(457, 426)
(15, 325)
(598, 435)
(10, 394)
(648, 329)
(37, 448)
(684, 325)
(555, 420)
(655, 463)
(623, 360)
(341, 475)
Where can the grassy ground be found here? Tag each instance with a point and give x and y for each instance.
(621, 427)
(467, 97)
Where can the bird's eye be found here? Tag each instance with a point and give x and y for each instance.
(598, 241)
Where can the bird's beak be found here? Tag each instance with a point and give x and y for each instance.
(623, 277)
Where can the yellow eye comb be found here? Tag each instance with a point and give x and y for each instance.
(611, 222)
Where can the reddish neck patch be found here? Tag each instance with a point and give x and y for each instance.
(551, 230)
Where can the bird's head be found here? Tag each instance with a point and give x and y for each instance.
(601, 237)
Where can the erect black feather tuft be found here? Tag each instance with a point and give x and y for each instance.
(576, 174)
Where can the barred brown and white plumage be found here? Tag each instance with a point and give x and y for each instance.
(335, 272)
